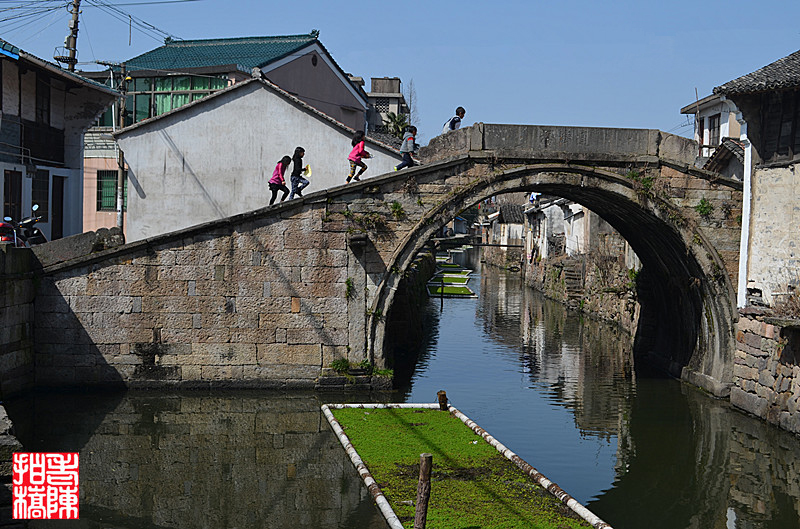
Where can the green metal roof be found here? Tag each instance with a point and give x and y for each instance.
(245, 52)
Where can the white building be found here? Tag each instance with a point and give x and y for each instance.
(213, 158)
(714, 119)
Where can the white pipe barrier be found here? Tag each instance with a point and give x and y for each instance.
(383, 504)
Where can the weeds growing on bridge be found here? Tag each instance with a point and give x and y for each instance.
(397, 210)
(704, 207)
(642, 184)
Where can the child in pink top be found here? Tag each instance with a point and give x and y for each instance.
(355, 157)
(277, 183)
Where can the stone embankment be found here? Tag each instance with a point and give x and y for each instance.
(766, 374)
(598, 287)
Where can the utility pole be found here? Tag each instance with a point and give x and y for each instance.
(72, 39)
(120, 120)
(123, 88)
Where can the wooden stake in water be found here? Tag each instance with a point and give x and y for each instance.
(423, 490)
(442, 400)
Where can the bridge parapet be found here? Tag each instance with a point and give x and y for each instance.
(555, 143)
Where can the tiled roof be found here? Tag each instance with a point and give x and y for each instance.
(780, 75)
(729, 148)
(512, 214)
(245, 52)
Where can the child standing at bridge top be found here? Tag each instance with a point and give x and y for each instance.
(355, 157)
(454, 122)
(277, 183)
(298, 182)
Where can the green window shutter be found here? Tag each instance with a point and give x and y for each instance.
(107, 191)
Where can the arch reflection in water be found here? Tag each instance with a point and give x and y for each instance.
(640, 451)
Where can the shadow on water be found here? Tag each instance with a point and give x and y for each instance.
(225, 459)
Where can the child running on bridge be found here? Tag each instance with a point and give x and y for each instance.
(355, 157)
(277, 183)
(408, 146)
(298, 182)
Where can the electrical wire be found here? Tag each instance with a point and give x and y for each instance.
(86, 32)
(124, 16)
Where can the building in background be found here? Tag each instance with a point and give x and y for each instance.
(385, 96)
(198, 163)
(45, 112)
(185, 71)
(714, 120)
(769, 101)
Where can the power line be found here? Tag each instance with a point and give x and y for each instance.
(141, 24)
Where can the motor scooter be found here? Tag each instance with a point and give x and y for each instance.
(25, 231)
(9, 234)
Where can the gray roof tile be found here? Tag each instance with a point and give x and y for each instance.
(780, 75)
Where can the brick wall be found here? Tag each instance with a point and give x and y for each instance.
(766, 374)
(16, 320)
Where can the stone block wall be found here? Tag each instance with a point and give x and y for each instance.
(766, 374)
(16, 320)
(609, 294)
(263, 305)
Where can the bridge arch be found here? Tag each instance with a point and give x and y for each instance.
(687, 298)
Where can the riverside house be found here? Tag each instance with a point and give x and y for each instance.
(45, 112)
(769, 101)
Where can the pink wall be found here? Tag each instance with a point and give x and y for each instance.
(93, 219)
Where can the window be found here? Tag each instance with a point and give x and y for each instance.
(142, 107)
(42, 100)
(12, 194)
(780, 134)
(382, 104)
(107, 191)
(713, 130)
(40, 192)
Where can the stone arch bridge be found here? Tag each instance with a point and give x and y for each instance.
(270, 298)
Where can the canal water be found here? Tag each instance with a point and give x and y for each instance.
(559, 389)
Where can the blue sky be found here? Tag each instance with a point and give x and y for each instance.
(573, 62)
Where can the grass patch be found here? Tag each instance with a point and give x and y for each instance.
(448, 265)
(472, 485)
(461, 280)
(437, 290)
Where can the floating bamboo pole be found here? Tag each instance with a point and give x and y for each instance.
(537, 476)
(372, 486)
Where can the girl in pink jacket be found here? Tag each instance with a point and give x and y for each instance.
(277, 183)
(355, 157)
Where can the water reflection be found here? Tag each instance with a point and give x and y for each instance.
(200, 460)
(558, 389)
(561, 391)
